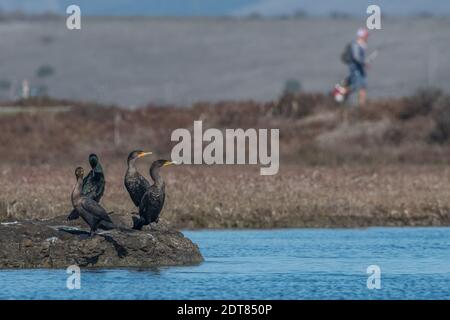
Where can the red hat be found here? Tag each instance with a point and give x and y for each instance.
(362, 33)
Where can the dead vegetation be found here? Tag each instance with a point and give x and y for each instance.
(313, 130)
(238, 197)
(381, 165)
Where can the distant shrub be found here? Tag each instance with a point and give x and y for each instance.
(421, 103)
(40, 91)
(393, 136)
(441, 117)
(424, 14)
(339, 15)
(300, 14)
(5, 85)
(377, 109)
(299, 105)
(254, 16)
(47, 39)
(292, 86)
(45, 71)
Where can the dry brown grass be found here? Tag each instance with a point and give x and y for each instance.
(378, 167)
(238, 197)
(313, 130)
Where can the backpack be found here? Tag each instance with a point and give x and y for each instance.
(347, 55)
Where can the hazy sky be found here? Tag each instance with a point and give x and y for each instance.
(227, 7)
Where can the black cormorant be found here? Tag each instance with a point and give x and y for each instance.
(93, 184)
(135, 183)
(153, 200)
(89, 210)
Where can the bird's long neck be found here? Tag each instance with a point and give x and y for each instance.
(154, 174)
(76, 193)
(97, 169)
(132, 166)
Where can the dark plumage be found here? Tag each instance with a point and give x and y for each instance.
(135, 183)
(153, 200)
(89, 210)
(93, 184)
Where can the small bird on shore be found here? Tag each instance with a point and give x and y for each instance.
(135, 183)
(93, 184)
(89, 210)
(152, 201)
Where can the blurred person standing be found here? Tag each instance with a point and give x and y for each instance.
(354, 56)
(358, 66)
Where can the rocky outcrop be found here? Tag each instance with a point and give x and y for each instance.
(55, 244)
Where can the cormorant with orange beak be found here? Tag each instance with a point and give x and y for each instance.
(153, 200)
(135, 183)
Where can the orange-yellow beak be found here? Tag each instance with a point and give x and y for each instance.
(143, 154)
(169, 163)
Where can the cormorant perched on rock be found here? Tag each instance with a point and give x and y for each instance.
(153, 200)
(93, 184)
(91, 212)
(135, 183)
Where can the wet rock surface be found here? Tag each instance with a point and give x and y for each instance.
(58, 244)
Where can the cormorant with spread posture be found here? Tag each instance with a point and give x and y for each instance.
(135, 183)
(153, 200)
(93, 184)
(89, 210)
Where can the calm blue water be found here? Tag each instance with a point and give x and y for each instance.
(275, 264)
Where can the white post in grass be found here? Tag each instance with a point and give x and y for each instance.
(25, 89)
(117, 119)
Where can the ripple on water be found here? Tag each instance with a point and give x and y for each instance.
(269, 264)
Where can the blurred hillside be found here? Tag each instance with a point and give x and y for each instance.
(134, 61)
(226, 7)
